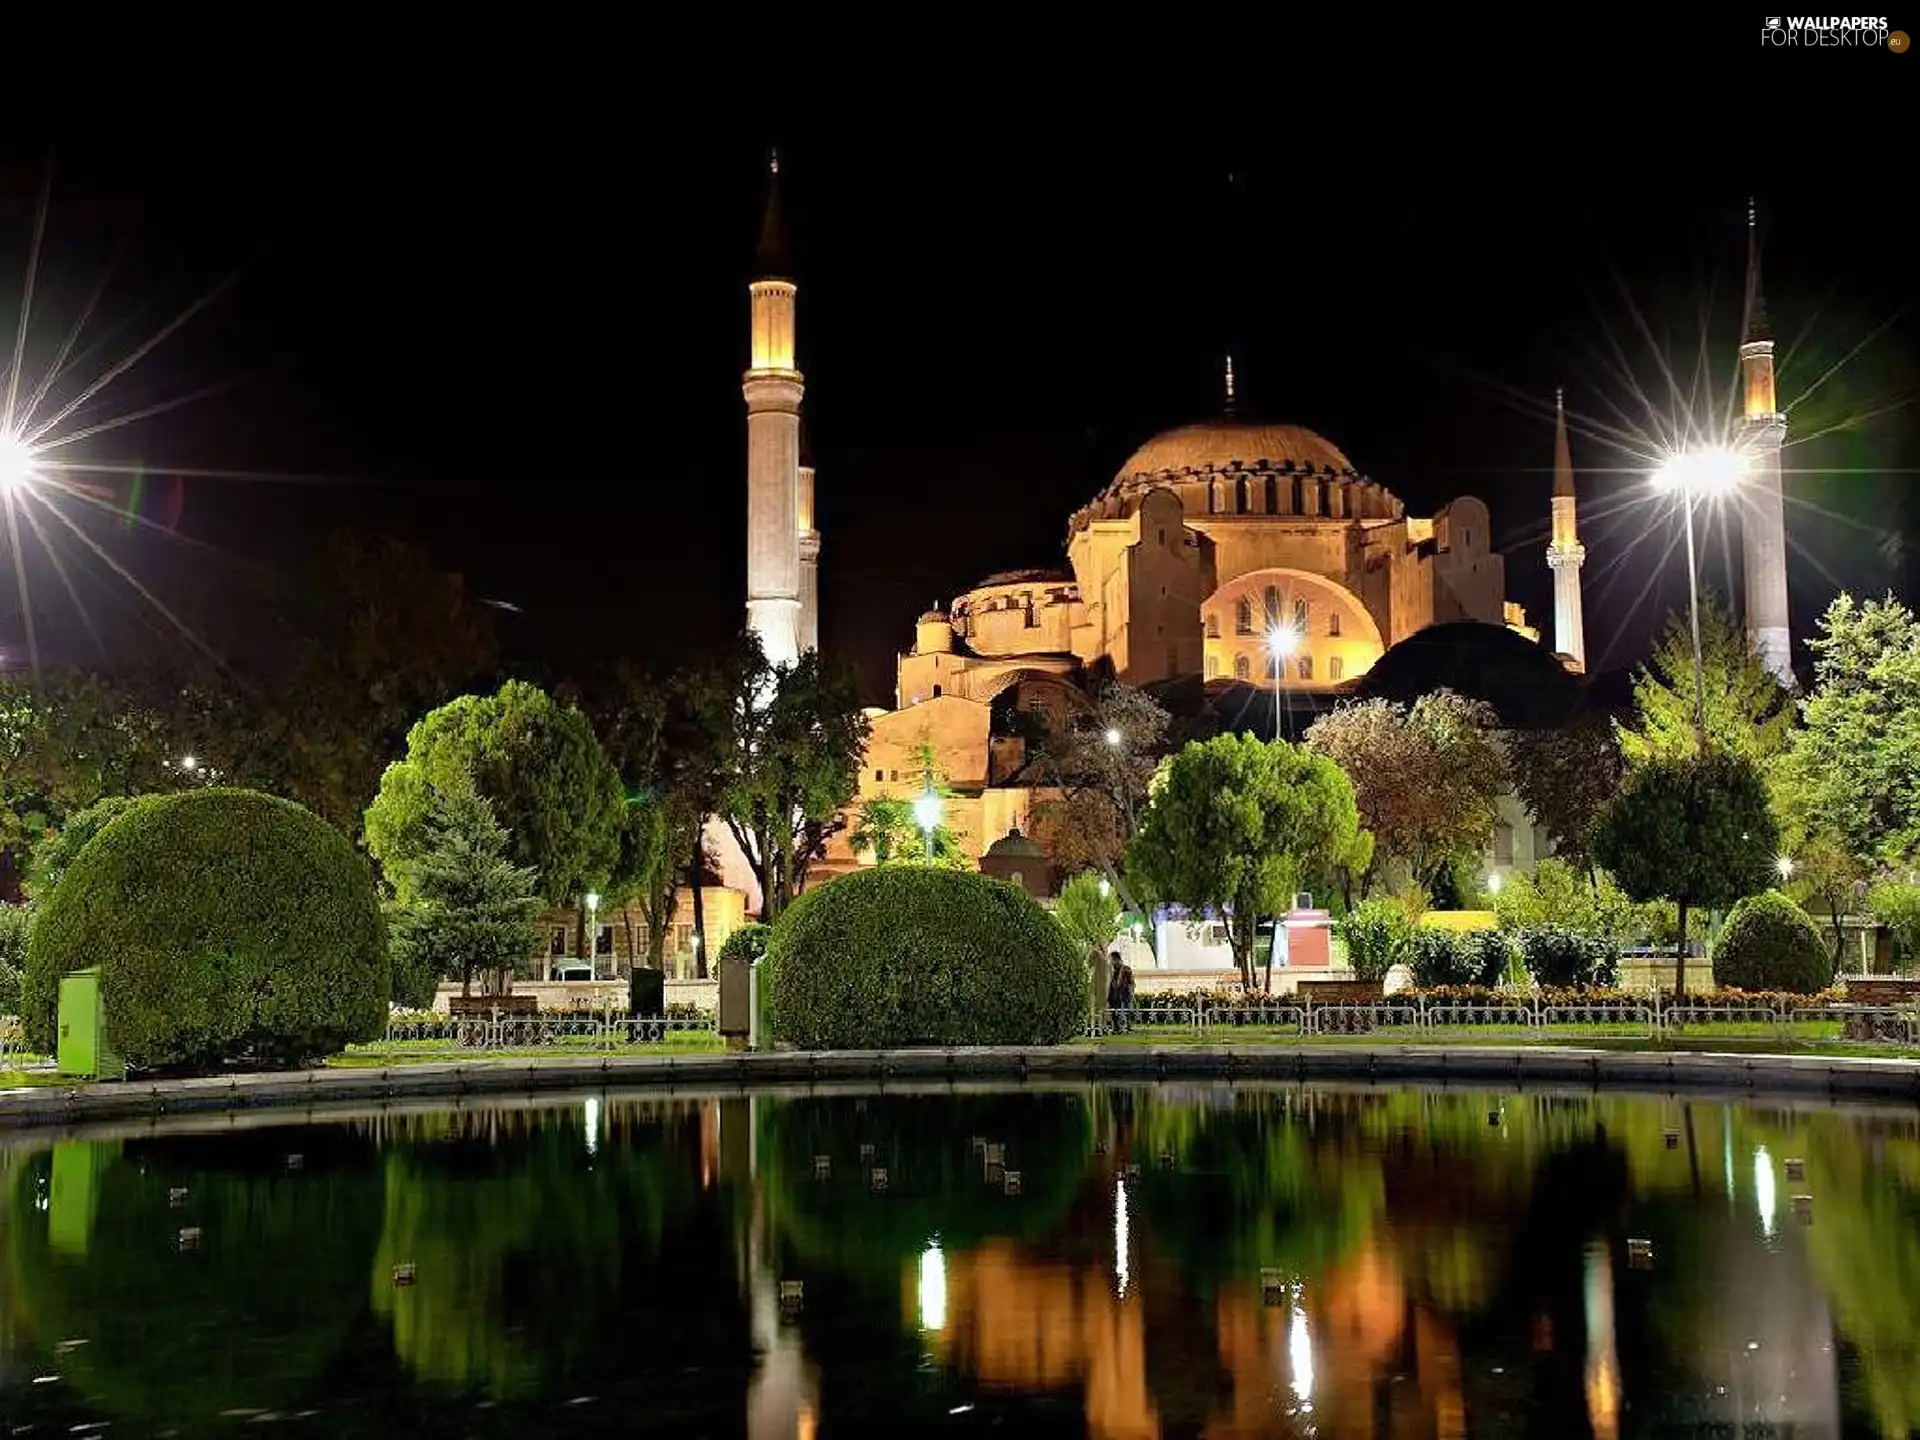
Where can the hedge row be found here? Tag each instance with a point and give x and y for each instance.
(1164, 1002)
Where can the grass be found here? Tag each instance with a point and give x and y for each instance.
(382, 1053)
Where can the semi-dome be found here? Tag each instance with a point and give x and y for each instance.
(1221, 443)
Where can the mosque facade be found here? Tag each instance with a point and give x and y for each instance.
(1229, 551)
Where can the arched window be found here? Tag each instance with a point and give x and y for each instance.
(936, 692)
(1333, 622)
(1243, 617)
(1273, 604)
(1306, 667)
(1276, 668)
(1300, 616)
(1241, 670)
(1213, 627)
(1213, 667)
(1336, 669)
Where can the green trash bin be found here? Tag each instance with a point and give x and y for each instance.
(84, 1050)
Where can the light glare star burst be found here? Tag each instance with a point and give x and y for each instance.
(45, 414)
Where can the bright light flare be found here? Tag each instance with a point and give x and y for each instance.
(933, 1288)
(1114, 737)
(1785, 866)
(17, 469)
(1764, 1197)
(1121, 1227)
(1706, 473)
(926, 811)
(1300, 1356)
(1282, 641)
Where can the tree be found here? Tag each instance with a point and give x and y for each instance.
(1747, 711)
(1102, 763)
(1565, 778)
(1237, 825)
(1852, 776)
(469, 910)
(1427, 777)
(1693, 829)
(792, 764)
(1089, 911)
(538, 766)
(890, 827)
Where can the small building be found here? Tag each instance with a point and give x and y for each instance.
(1016, 858)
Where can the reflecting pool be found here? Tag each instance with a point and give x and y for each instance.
(1169, 1261)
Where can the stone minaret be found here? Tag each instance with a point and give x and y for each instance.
(1763, 526)
(773, 387)
(1565, 553)
(809, 554)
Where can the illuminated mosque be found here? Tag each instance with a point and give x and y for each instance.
(1238, 556)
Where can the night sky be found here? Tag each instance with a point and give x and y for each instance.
(513, 328)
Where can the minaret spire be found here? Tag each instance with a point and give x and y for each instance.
(1565, 553)
(1763, 524)
(779, 517)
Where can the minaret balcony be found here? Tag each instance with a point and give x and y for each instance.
(1566, 557)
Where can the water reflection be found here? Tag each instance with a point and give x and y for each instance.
(1114, 1263)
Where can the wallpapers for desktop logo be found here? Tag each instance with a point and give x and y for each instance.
(1852, 31)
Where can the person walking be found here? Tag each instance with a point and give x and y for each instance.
(1126, 996)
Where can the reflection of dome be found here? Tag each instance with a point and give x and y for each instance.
(1220, 443)
(1520, 679)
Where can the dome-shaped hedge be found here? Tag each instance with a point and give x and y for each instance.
(1770, 943)
(226, 923)
(906, 956)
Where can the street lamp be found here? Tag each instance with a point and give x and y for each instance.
(1282, 641)
(1705, 474)
(1114, 737)
(1493, 882)
(593, 934)
(926, 812)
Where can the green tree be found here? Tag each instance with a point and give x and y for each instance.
(1896, 905)
(540, 769)
(1427, 777)
(1237, 826)
(1101, 762)
(1565, 778)
(1693, 829)
(1852, 777)
(1088, 909)
(51, 858)
(1747, 712)
(468, 909)
(890, 826)
(1555, 894)
(792, 764)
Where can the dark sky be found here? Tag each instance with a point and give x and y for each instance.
(512, 327)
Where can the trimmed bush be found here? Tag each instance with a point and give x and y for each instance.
(748, 943)
(907, 956)
(1770, 943)
(1465, 957)
(1376, 934)
(51, 858)
(1560, 958)
(226, 923)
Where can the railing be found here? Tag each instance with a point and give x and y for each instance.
(1438, 1019)
(546, 1032)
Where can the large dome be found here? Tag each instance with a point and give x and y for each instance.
(1221, 443)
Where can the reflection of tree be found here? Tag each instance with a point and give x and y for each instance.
(937, 1185)
(1251, 1188)
(249, 1320)
(528, 1245)
(858, 1251)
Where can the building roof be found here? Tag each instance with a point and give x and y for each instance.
(1520, 679)
(1014, 846)
(1024, 577)
(1220, 443)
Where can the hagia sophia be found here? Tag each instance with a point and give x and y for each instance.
(1227, 559)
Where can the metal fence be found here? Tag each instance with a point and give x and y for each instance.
(549, 1030)
(1440, 1019)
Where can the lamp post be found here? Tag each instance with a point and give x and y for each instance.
(1694, 475)
(1282, 641)
(593, 934)
(926, 812)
